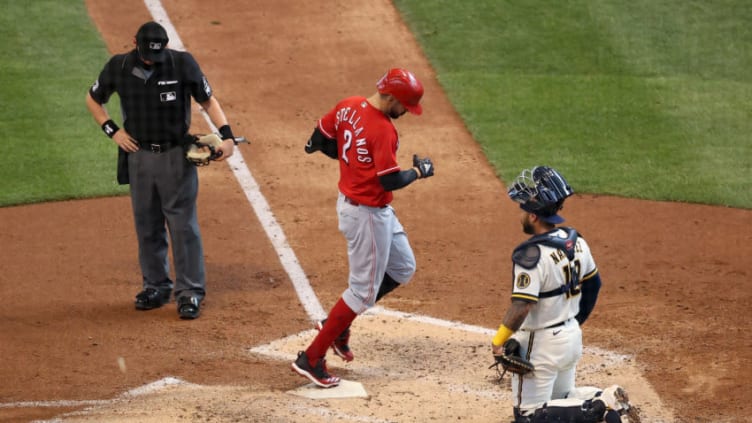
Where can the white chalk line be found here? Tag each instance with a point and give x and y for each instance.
(263, 212)
(251, 189)
(270, 351)
(143, 390)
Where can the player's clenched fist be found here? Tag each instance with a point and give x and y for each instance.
(423, 166)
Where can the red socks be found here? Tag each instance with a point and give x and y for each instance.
(339, 319)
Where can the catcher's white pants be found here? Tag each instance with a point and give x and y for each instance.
(555, 353)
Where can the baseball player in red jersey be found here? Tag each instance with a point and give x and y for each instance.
(359, 133)
(556, 285)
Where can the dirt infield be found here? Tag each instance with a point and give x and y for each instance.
(403, 374)
(70, 268)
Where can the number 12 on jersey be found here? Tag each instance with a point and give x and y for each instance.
(572, 276)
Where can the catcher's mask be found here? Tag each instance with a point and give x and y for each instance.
(541, 190)
(403, 86)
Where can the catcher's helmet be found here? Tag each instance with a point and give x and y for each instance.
(541, 190)
(404, 86)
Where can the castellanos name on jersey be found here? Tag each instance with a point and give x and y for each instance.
(348, 114)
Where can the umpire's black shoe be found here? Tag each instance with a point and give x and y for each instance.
(189, 307)
(151, 298)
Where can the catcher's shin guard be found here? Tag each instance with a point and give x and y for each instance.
(587, 412)
(616, 398)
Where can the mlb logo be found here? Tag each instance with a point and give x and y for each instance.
(153, 45)
(168, 96)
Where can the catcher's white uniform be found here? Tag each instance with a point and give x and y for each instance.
(550, 336)
(555, 272)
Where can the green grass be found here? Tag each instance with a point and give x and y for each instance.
(51, 55)
(646, 99)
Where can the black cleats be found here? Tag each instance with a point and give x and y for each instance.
(151, 298)
(189, 307)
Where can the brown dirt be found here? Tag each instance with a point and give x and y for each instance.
(70, 268)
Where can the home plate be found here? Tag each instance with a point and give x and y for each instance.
(345, 389)
(401, 361)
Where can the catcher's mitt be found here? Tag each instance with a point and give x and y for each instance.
(510, 360)
(204, 149)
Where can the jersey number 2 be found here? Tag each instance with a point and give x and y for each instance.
(346, 145)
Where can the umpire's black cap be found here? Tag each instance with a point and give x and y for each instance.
(151, 40)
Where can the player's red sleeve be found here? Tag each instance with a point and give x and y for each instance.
(328, 124)
(385, 154)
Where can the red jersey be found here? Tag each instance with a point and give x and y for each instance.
(367, 145)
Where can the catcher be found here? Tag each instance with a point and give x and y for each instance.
(556, 285)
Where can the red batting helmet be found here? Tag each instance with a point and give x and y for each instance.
(404, 86)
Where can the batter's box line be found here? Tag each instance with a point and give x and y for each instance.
(269, 350)
(147, 389)
(606, 354)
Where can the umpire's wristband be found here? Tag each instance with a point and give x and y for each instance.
(226, 133)
(110, 128)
